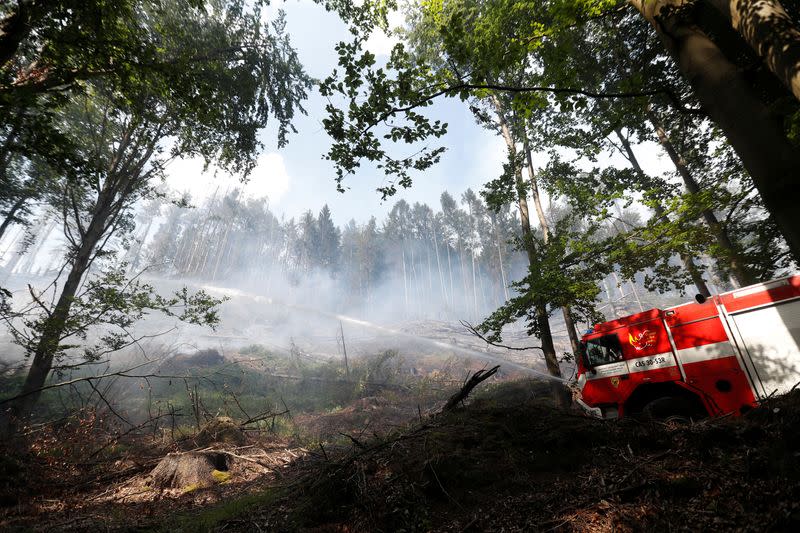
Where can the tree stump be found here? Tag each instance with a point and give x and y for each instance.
(190, 470)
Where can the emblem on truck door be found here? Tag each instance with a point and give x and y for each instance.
(642, 340)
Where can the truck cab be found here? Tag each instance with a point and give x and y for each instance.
(717, 356)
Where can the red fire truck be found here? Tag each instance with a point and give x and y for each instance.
(723, 354)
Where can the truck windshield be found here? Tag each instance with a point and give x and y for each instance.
(603, 350)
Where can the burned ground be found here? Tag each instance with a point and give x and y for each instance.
(507, 461)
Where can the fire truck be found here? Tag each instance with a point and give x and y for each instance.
(720, 355)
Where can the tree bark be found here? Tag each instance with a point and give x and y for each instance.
(771, 32)
(734, 259)
(107, 206)
(753, 131)
(51, 337)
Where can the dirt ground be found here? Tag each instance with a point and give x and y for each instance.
(507, 461)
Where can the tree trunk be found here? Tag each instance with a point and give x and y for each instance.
(687, 261)
(11, 214)
(734, 259)
(50, 340)
(106, 207)
(472, 257)
(39, 239)
(560, 396)
(140, 245)
(14, 28)
(537, 202)
(500, 260)
(439, 266)
(771, 32)
(405, 281)
(752, 129)
(450, 270)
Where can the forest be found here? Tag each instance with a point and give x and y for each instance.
(564, 229)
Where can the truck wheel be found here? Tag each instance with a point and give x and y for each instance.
(670, 407)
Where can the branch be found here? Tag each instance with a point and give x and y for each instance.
(478, 334)
(469, 384)
(553, 90)
(73, 381)
(38, 301)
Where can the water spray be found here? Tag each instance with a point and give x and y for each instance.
(390, 331)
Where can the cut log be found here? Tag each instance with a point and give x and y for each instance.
(190, 470)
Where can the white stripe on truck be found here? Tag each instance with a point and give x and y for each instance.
(707, 352)
(631, 366)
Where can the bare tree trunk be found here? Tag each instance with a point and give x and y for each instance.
(405, 280)
(430, 269)
(140, 245)
(472, 255)
(439, 266)
(610, 295)
(500, 259)
(40, 239)
(197, 244)
(754, 130)
(204, 264)
(636, 295)
(222, 248)
(734, 259)
(450, 269)
(771, 32)
(463, 271)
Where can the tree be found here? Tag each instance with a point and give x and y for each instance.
(751, 125)
(471, 33)
(328, 241)
(214, 111)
